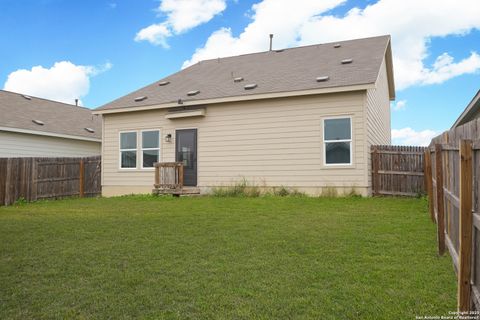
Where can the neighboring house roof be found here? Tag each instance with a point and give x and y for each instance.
(275, 73)
(471, 112)
(25, 114)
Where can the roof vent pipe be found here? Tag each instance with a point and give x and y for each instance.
(271, 40)
(76, 102)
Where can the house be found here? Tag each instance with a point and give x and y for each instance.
(471, 112)
(303, 118)
(35, 127)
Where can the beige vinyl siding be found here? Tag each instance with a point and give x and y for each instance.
(378, 125)
(275, 142)
(14, 144)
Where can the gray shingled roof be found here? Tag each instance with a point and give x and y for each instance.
(289, 70)
(17, 112)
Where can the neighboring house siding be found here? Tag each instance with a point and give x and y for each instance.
(276, 142)
(27, 145)
(378, 127)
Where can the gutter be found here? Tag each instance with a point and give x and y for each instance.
(261, 96)
(49, 134)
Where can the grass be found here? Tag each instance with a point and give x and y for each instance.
(222, 258)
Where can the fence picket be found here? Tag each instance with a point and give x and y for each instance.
(466, 221)
(440, 199)
(429, 184)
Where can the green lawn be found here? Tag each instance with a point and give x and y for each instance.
(222, 258)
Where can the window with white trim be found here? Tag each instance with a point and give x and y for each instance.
(128, 150)
(337, 139)
(150, 148)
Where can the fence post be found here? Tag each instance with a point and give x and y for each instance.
(425, 177)
(33, 182)
(3, 174)
(465, 232)
(157, 174)
(375, 165)
(180, 175)
(9, 183)
(82, 179)
(428, 182)
(440, 206)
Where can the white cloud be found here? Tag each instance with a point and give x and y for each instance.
(64, 81)
(411, 23)
(444, 68)
(408, 136)
(399, 105)
(155, 34)
(283, 18)
(182, 15)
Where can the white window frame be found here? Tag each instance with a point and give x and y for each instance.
(332, 141)
(141, 148)
(121, 150)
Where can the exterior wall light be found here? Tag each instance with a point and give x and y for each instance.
(168, 138)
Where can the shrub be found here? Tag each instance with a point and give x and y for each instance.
(281, 192)
(296, 193)
(353, 193)
(243, 188)
(329, 192)
(287, 192)
(20, 201)
(239, 189)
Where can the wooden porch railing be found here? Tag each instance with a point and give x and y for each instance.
(168, 175)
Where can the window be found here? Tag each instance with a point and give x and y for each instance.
(148, 144)
(150, 148)
(128, 150)
(337, 136)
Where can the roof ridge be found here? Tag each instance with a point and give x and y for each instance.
(291, 48)
(44, 99)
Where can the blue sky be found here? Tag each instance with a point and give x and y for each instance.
(99, 50)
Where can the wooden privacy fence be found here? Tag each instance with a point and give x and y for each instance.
(452, 175)
(398, 170)
(42, 178)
